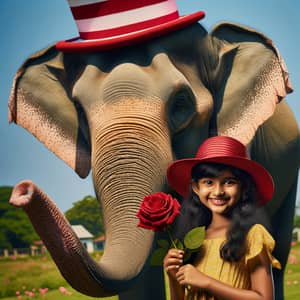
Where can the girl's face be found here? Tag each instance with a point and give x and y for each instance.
(220, 193)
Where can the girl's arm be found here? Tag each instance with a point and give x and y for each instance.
(172, 263)
(176, 290)
(261, 282)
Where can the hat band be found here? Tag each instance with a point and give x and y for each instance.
(222, 150)
(107, 19)
(108, 33)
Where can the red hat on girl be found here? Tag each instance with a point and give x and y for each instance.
(223, 150)
(107, 24)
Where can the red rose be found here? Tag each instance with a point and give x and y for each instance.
(157, 211)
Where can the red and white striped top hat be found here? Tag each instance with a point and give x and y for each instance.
(107, 24)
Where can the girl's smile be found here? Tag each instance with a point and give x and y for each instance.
(218, 193)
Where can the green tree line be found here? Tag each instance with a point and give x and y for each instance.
(297, 221)
(16, 230)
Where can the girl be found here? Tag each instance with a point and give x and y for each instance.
(224, 188)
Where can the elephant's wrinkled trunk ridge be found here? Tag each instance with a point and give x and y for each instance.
(129, 162)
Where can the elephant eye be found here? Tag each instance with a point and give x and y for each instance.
(180, 110)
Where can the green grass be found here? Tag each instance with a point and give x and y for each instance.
(31, 274)
(57, 295)
(292, 274)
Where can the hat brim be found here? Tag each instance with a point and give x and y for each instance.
(179, 175)
(79, 45)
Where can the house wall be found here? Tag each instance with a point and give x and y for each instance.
(296, 233)
(88, 244)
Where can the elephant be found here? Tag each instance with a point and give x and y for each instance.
(127, 113)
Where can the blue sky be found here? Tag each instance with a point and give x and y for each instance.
(28, 26)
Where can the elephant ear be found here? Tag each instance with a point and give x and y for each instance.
(40, 102)
(250, 79)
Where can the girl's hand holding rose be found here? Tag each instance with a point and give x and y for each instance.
(172, 262)
(188, 275)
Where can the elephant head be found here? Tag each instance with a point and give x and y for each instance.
(126, 114)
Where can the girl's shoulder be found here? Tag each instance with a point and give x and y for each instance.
(260, 240)
(258, 237)
(258, 229)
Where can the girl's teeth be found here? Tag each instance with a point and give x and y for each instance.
(218, 201)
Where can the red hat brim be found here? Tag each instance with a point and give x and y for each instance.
(79, 45)
(179, 175)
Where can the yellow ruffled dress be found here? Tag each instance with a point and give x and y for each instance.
(235, 274)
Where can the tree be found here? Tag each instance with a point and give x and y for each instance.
(16, 229)
(297, 221)
(87, 212)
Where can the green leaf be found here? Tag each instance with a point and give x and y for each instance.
(157, 257)
(194, 238)
(163, 244)
(178, 244)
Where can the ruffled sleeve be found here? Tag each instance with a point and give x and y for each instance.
(259, 240)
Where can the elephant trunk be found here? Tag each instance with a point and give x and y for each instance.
(55, 231)
(130, 153)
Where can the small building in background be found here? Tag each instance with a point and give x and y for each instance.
(296, 234)
(85, 237)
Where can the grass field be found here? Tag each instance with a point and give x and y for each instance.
(292, 274)
(38, 278)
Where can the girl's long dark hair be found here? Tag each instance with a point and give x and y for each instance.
(243, 215)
